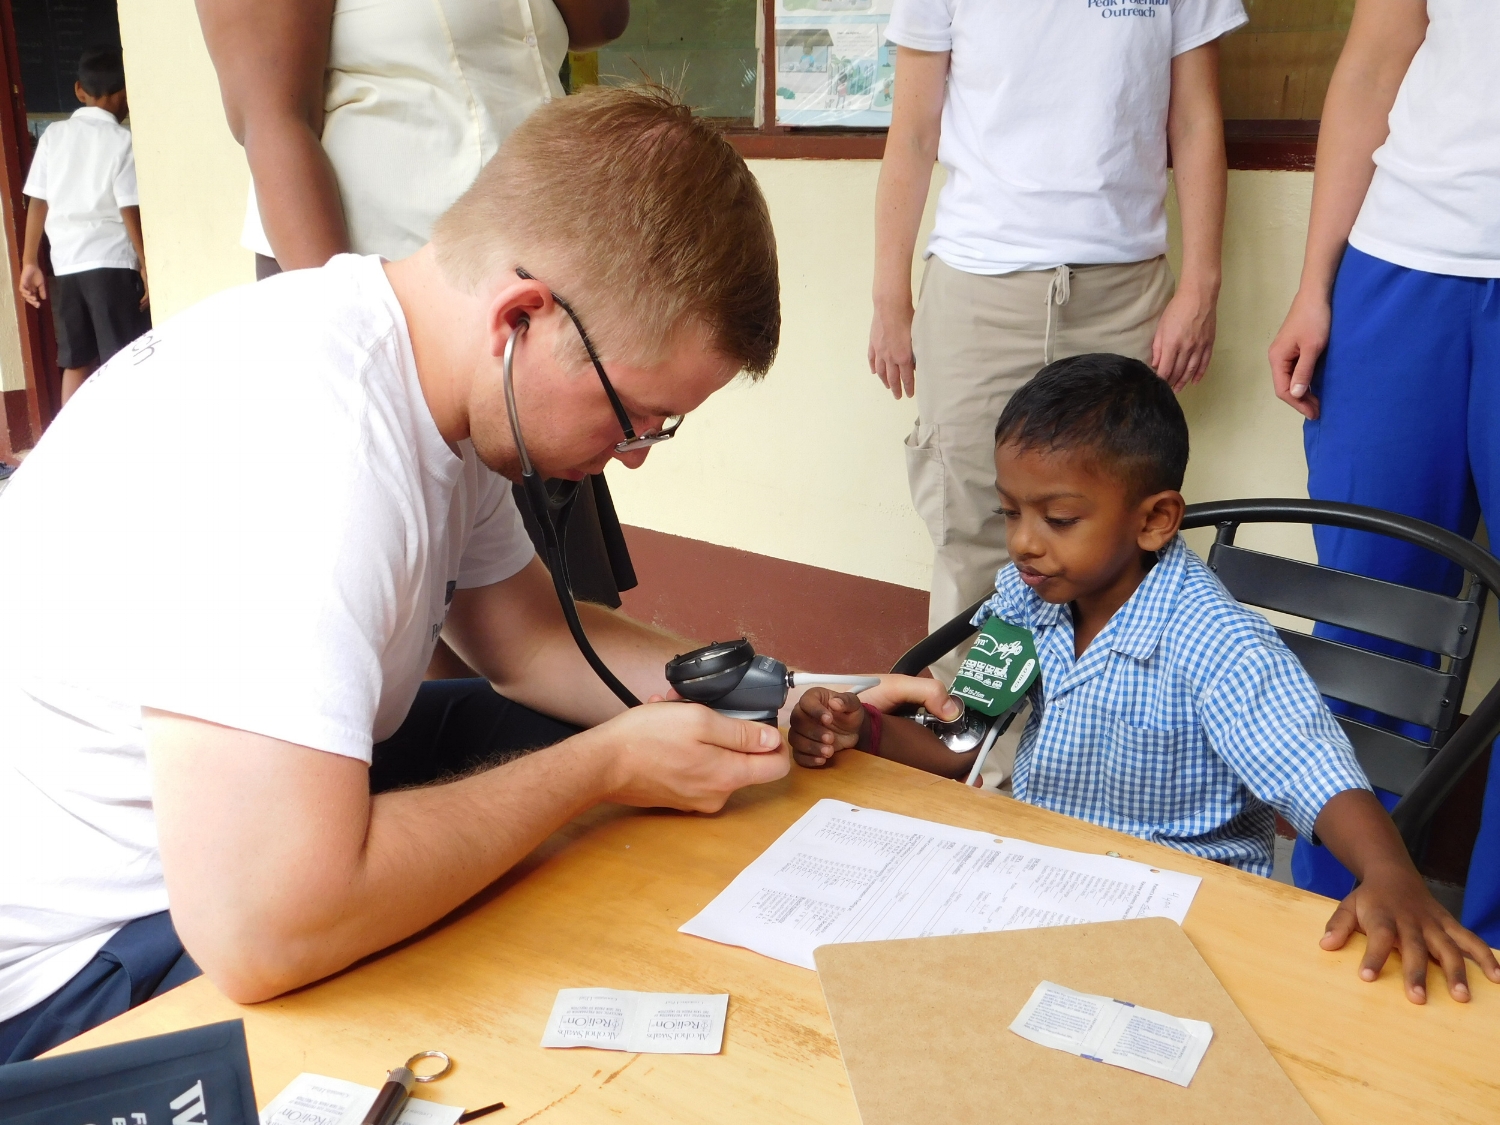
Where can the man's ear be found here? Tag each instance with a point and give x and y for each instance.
(1161, 516)
(512, 302)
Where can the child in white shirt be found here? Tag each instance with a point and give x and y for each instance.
(82, 192)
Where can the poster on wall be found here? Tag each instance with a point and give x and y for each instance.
(833, 65)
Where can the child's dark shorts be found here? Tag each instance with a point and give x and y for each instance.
(96, 312)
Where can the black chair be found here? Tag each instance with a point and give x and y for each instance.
(1422, 772)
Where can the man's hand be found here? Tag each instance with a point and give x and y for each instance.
(890, 354)
(1397, 913)
(1391, 904)
(1184, 341)
(686, 756)
(1295, 351)
(145, 289)
(33, 285)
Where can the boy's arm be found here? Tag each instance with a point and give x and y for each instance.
(825, 722)
(271, 56)
(33, 284)
(1383, 37)
(1391, 903)
(131, 216)
(901, 193)
(1184, 340)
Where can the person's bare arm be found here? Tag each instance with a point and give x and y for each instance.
(825, 722)
(1383, 37)
(901, 193)
(131, 217)
(1184, 340)
(513, 633)
(593, 23)
(33, 282)
(271, 56)
(1391, 904)
(282, 869)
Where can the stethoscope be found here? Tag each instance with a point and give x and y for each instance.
(552, 508)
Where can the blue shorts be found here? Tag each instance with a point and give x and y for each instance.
(1410, 422)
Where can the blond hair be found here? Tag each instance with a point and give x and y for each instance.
(640, 215)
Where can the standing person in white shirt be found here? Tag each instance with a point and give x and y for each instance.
(1391, 349)
(83, 194)
(1053, 121)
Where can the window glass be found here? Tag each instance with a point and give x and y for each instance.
(704, 48)
(1277, 67)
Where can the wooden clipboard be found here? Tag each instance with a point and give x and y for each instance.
(923, 1024)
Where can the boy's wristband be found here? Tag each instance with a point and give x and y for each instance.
(877, 725)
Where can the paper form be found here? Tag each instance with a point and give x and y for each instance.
(660, 1023)
(313, 1099)
(1103, 1029)
(844, 873)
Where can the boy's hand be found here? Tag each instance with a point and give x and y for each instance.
(33, 285)
(145, 289)
(823, 723)
(1397, 913)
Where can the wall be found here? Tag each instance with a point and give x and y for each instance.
(192, 175)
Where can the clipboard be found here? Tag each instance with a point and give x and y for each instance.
(923, 1025)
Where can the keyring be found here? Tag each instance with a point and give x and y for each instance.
(447, 1065)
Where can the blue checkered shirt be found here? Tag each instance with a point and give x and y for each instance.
(1185, 722)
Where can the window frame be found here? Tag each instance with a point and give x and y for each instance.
(1269, 145)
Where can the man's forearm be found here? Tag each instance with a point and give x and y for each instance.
(906, 170)
(323, 874)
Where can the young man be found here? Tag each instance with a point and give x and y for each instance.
(1165, 708)
(1053, 122)
(218, 714)
(1391, 348)
(82, 191)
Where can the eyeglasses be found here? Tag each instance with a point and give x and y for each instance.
(632, 441)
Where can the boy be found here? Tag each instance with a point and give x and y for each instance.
(83, 193)
(1165, 708)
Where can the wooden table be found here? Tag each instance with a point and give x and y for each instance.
(599, 905)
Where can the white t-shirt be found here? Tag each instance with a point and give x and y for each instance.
(84, 168)
(247, 516)
(1434, 204)
(419, 97)
(1054, 128)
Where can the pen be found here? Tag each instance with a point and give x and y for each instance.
(387, 1104)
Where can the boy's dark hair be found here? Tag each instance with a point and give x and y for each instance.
(1114, 408)
(101, 71)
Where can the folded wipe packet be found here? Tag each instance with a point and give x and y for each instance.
(312, 1099)
(662, 1023)
(1106, 1030)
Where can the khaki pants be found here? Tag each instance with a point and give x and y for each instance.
(977, 340)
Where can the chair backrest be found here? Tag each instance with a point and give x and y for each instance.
(1397, 688)
(1423, 771)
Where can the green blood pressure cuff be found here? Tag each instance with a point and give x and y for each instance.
(999, 670)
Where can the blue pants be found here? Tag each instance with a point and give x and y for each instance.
(454, 727)
(1410, 422)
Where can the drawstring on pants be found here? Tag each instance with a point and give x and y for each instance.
(1058, 292)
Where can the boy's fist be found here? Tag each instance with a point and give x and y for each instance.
(823, 723)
